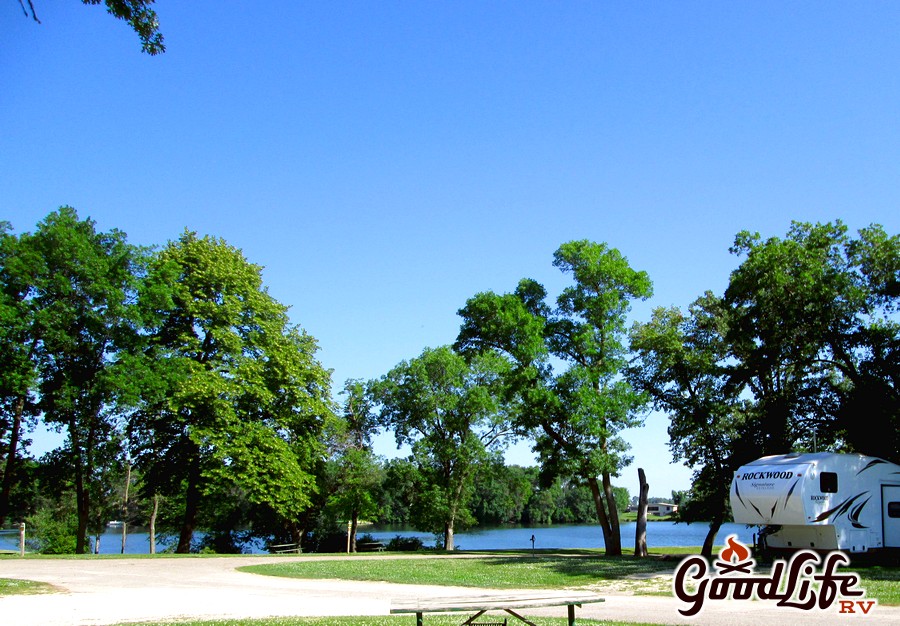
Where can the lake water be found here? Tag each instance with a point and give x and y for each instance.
(659, 534)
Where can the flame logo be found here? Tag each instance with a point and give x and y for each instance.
(735, 552)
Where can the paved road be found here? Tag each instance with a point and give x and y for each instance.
(113, 591)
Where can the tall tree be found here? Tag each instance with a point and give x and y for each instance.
(83, 294)
(451, 413)
(18, 342)
(577, 414)
(682, 364)
(357, 473)
(804, 346)
(814, 336)
(233, 393)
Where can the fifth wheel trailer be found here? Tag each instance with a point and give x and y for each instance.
(820, 501)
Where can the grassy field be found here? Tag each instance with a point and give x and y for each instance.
(504, 572)
(13, 586)
(574, 569)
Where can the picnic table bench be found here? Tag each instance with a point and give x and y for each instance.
(369, 546)
(479, 605)
(285, 548)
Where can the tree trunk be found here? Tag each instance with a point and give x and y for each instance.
(614, 547)
(354, 523)
(11, 457)
(714, 525)
(297, 534)
(153, 523)
(82, 498)
(191, 509)
(602, 519)
(640, 534)
(448, 536)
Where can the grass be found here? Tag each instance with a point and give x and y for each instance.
(573, 569)
(387, 620)
(880, 582)
(14, 587)
(499, 572)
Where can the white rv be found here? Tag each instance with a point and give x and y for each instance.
(820, 501)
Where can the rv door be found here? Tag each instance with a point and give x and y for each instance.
(890, 499)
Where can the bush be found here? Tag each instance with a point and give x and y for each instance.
(52, 530)
(404, 544)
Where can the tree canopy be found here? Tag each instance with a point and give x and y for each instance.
(450, 412)
(801, 352)
(178, 364)
(237, 394)
(575, 414)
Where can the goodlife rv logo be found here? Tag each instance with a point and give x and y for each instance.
(797, 584)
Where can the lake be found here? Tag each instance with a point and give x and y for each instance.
(659, 534)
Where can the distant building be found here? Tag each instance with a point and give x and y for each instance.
(661, 508)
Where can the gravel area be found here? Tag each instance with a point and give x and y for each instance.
(114, 591)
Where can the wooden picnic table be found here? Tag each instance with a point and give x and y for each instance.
(482, 604)
(285, 548)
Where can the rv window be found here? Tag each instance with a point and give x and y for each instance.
(894, 509)
(828, 482)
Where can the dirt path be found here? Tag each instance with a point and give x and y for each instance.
(114, 591)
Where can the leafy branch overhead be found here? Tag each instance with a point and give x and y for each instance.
(138, 13)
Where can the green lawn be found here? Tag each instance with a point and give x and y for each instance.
(13, 586)
(880, 582)
(572, 570)
(504, 572)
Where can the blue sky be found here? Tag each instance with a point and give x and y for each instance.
(385, 161)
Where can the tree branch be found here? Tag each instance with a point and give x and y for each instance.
(31, 7)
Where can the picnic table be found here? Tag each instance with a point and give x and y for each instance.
(369, 546)
(479, 605)
(285, 548)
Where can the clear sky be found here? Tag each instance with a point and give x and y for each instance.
(385, 161)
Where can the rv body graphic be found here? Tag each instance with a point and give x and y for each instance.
(820, 501)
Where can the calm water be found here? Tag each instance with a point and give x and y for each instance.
(659, 534)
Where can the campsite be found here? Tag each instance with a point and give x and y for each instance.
(542, 303)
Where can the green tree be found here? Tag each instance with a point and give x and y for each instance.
(813, 333)
(543, 504)
(18, 342)
(82, 293)
(501, 493)
(622, 498)
(356, 472)
(139, 14)
(232, 395)
(803, 345)
(399, 492)
(450, 413)
(575, 414)
(682, 364)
